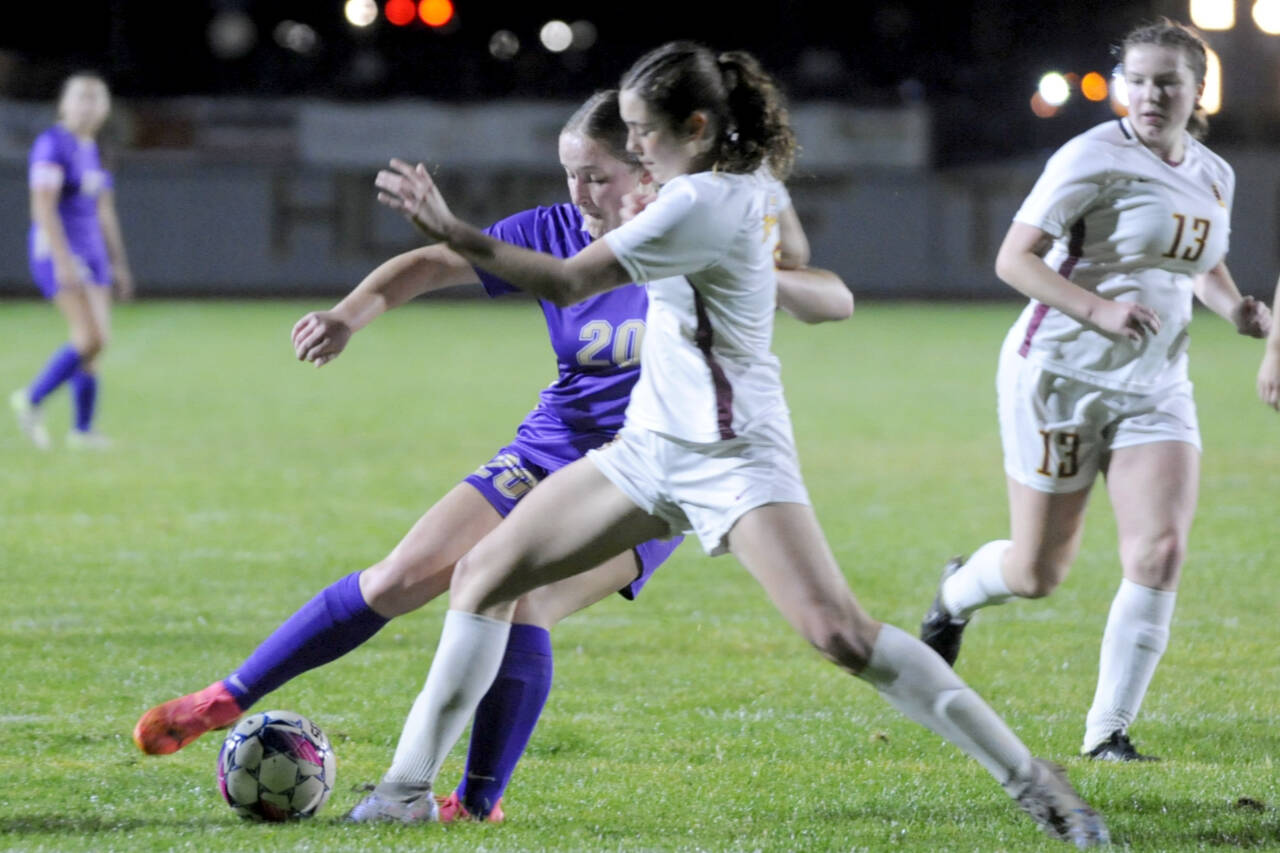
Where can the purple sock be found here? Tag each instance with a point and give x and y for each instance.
(506, 718)
(59, 368)
(324, 629)
(84, 391)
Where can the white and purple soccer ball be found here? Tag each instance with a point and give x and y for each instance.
(276, 766)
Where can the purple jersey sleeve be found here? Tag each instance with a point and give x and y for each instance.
(553, 230)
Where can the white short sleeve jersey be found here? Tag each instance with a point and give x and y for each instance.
(1130, 227)
(707, 373)
(776, 200)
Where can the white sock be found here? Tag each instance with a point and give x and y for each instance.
(979, 582)
(466, 662)
(1135, 638)
(918, 683)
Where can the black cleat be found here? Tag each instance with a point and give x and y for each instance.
(939, 630)
(1057, 809)
(1118, 747)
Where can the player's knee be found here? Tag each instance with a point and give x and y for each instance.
(841, 638)
(1155, 561)
(1034, 575)
(397, 585)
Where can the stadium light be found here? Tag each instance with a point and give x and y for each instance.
(360, 13)
(1211, 100)
(1266, 14)
(436, 13)
(1054, 89)
(400, 12)
(556, 36)
(1041, 107)
(1213, 14)
(504, 45)
(1094, 86)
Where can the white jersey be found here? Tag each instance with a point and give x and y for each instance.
(707, 373)
(1130, 227)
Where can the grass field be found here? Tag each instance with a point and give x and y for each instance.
(692, 719)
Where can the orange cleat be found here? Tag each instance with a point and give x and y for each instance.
(169, 727)
(451, 809)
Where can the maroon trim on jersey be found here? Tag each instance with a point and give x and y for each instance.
(1123, 129)
(724, 391)
(1075, 248)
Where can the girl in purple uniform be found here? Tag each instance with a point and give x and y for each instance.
(597, 345)
(76, 252)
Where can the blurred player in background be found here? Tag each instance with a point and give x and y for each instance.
(1127, 221)
(1269, 370)
(597, 344)
(76, 252)
(707, 445)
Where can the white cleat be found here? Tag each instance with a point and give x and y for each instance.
(1056, 807)
(381, 805)
(87, 440)
(30, 419)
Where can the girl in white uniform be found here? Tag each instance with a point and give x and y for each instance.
(1127, 221)
(707, 444)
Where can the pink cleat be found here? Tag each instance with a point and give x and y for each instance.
(451, 809)
(169, 727)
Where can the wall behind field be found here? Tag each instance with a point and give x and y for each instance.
(257, 199)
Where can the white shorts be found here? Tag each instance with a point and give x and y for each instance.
(704, 488)
(1058, 432)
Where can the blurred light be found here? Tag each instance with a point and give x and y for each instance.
(584, 35)
(1094, 86)
(360, 13)
(1213, 14)
(1266, 14)
(1054, 90)
(400, 12)
(1119, 90)
(504, 45)
(231, 34)
(1211, 100)
(556, 36)
(1041, 107)
(297, 37)
(435, 13)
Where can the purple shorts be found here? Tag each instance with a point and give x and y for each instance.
(508, 477)
(95, 270)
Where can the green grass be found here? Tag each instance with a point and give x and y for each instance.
(693, 719)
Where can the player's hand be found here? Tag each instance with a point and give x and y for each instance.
(1128, 319)
(1269, 379)
(122, 283)
(319, 337)
(410, 190)
(1251, 317)
(69, 276)
(645, 193)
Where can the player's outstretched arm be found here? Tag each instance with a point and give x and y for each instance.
(321, 335)
(1020, 264)
(410, 190)
(1269, 370)
(1218, 291)
(814, 295)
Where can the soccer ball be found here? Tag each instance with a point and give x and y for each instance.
(276, 766)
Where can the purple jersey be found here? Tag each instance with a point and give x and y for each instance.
(83, 179)
(596, 342)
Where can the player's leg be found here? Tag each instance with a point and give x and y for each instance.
(1153, 489)
(338, 619)
(505, 719)
(73, 304)
(84, 381)
(783, 547)
(575, 518)
(1053, 450)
